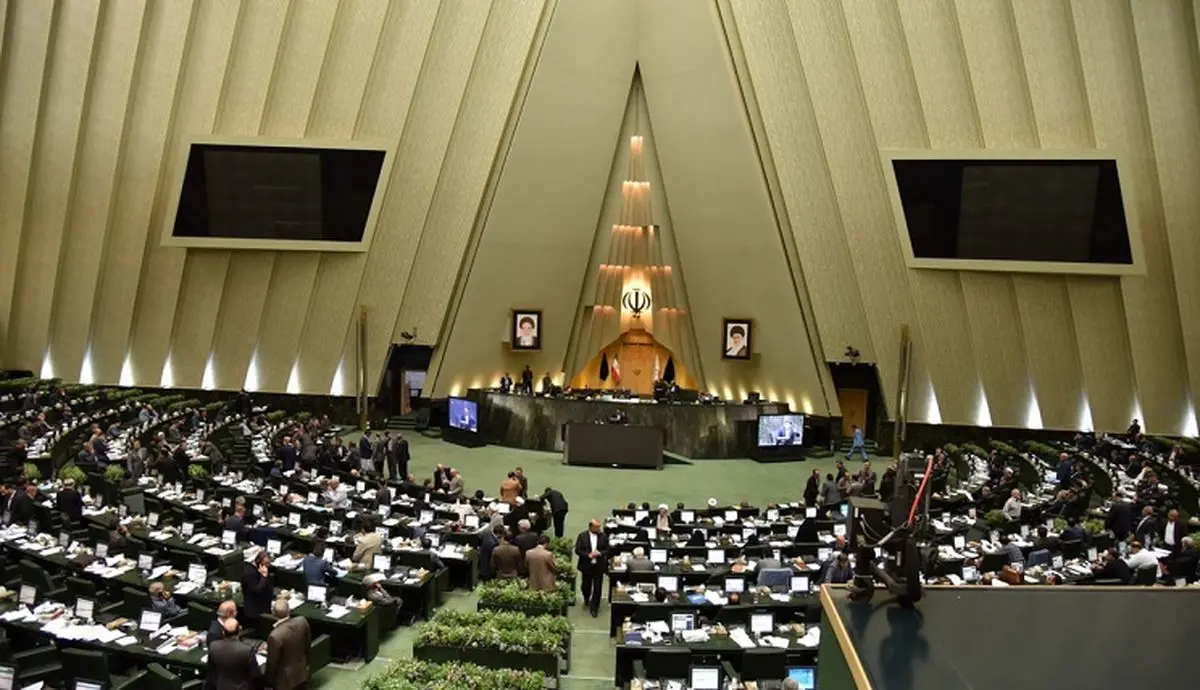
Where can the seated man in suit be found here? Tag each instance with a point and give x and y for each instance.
(225, 611)
(376, 593)
(70, 503)
(287, 649)
(160, 600)
(1111, 567)
(639, 562)
(231, 662)
(1073, 532)
(1045, 541)
(839, 572)
(317, 570)
(1187, 559)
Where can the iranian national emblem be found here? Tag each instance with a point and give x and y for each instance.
(636, 301)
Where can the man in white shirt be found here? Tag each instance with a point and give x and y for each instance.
(1140, 557)
(1174, 531)
(1012, 507)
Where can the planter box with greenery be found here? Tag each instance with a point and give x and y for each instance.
(515, 595)
(413, 674)
(495, 640)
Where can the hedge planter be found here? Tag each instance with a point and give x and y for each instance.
(490, 658)
(530, 611)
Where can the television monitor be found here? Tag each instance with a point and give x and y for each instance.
(658, 555)
(716, 556)
(762, 623)
(800, 584)
(704, 678)
(464, 414)
(805, 676)
(278, 194)
(8, 676)
(682, 621)
(669, 582)
(780, 430)
(735, 585)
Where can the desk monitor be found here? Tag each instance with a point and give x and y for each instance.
(731, 516)
(471, 522)
(773, 515)
(145, 561)
(150, 621)
(839, 530)
(792, 531)
(805, 676)
(669, 582)
(687, 516)
(1056, 561)
(274, 547)
(197, 573)
(228, 537)
(84, 608)
(682, 621)
(845, 510)
(762, 623)
(187, 529)
(152, 519)
(748, 532)
(970, 573)
(316, 593)
(503, 508)
(1092, 554)
(658, 555)
(824, 553)
(27, 595)
(382, 532)
(200, 495)
(384, 511)
(800, 584)
(294, 519)
(435, 539)
(335, 527)
(704, 677)
(426, 516)
(312, 497)
(810, 512)
(382, 563)
(81, 684)
(735, 584)
(101, 550)
(8, 676)
(639, 515)
(960, 542)
(650, 532)
(257, 510)
(64, 539)
(716, 556)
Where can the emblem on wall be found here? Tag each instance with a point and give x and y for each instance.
(636, 301)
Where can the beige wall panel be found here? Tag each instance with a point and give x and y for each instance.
(354, 47)
(489, 98)
(445, 74)
(150, 113)
(196, 315)
(1104, 354)
(1049, 334)
(996, 74)
(241, 311)
(53, 178)
(1108, 50)
(866, 47)
(21, 76)
(1167, 40)
(101, 145)
(940, 73)
(242, 104)
(538, 234)
(299, 70)
(385, 106)
(203, 75)
(714, 183)
(786, 106)
(995, 330)
(1056, 88)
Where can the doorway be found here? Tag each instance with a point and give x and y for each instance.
(853, 402)
(402, 389)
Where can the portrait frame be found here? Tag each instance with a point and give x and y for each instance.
(520, 340)
(730, 350)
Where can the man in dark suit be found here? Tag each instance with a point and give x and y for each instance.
(70, 503)
(557, 504)
(231, 663)
(488, 541)
(22, 508)
(288, 454)
(256, 588)
(1147, 528)
(526, 538)
(287, 650)
(366, 448)
(1112, 567)
(1173, 531)
(401, 457)
(527, 380)
(591, 546)
(225, 611)
(1120, 519)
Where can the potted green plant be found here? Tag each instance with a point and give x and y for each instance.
(995, 518)
(74, 473)
(114, 473)
(197, 472)
(1094, 528)
(414, 674)
(32, 472)
(495, 640)
(515, 595)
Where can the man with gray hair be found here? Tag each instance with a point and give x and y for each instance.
(526, 538)
(791, 684)
(287, 649)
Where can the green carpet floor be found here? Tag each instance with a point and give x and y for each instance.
(591, 492)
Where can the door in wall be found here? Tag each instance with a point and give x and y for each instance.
(853, 402)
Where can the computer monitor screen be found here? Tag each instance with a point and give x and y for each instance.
(704, 677)
(762, 623)
(682, 621)
(228, 537)
(382, 563)
(150, 621)
(687, 516)
(716, 556)
(8, 675)
(780, 430)
(824, 553)
(658, 555)
(197, 573)
(101, 550)
(145, 561)
(735, 584)
(669, 582)
(800, 584)
(970, 574)
(805, 676)
(274, 547)
(84, 608)
(316, 593)
(27, 595)
(464, 414)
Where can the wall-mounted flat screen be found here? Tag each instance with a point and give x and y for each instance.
(244, 193)
(780, 430)
(464, 414)
(1030, 210)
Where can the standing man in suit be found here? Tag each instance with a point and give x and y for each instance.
(365, 447)
(380, 451)
(1147, 527)
(557, 504)
(402, 457)
(506, 558)
(225, 611)
(591, 546)
(506, 383)
(231, 663)
(527, 380)
(1119, 519)
(539, 563)
(1173, 531)
(520, 475)
(287, 649)
(488, 541)
(256, 587)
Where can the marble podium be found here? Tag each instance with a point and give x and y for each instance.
(691, 430)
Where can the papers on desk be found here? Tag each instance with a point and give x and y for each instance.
(811, 639)
(159, 572)
(337, 611)
(639, 597)
(126, 640)
(742, 639)
(773, 641)
(781, 597)
(51, 551)
(659, 627)
(713, 597)
(185, 587)
(694, 636)
(21, 614)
